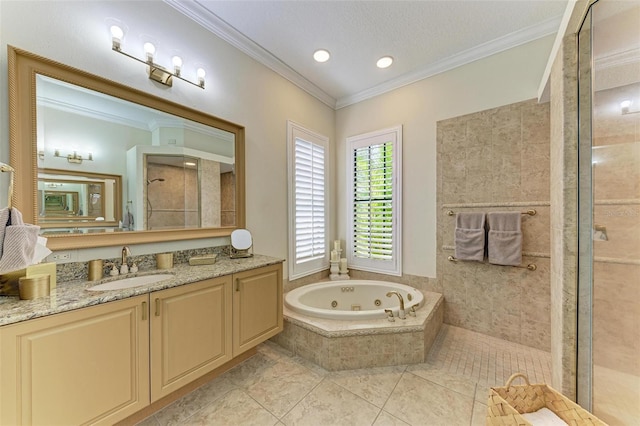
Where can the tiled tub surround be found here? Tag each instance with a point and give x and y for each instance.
(72, 295)
(343, 345)
(497, 160)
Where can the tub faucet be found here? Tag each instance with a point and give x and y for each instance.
(401, 314)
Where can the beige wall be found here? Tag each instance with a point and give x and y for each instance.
(501, 79)
(497, 160)
(238, 89)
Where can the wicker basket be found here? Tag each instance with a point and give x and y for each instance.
(506, 404)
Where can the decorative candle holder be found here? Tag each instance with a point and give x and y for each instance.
(344, 271)
(334, 270)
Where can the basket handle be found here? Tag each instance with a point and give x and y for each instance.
(515, 376)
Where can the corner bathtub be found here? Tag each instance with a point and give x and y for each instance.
(351, 299)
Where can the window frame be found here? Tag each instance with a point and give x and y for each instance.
(394, 266)
(298, 270)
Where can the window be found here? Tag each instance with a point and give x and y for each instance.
(374, 188)
(308, 207)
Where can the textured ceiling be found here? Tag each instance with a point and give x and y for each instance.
(424, 37)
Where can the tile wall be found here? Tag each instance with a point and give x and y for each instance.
(497, 160)
(564, 216)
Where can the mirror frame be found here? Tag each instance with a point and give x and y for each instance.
(23, 67)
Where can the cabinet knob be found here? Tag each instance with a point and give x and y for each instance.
(237, 284)
(157, 307)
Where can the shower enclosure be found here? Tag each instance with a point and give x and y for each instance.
(172, 192)
(609, 212)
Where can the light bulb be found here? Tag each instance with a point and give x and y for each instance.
(384, 62)
(321, 55)
(624, 106)
(177, 64)
(149, 49)
(200, 73)
(116, 36)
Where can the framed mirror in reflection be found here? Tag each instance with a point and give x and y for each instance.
(114, 160)
(69, 200)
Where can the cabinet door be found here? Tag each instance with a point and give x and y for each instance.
(190, 333)
(257, 306)
(89, 366)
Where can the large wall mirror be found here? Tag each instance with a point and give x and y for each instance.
(99, 163)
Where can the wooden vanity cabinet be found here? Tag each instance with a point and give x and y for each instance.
(101, 364)
(257, 306)
(88, 366)
(190, 333)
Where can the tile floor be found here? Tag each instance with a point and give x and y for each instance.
(276, 388)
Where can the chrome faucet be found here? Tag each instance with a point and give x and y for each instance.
(401, 314)
(124, 267)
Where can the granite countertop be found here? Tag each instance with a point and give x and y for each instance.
(74, 294)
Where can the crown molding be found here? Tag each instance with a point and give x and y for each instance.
(198, 13)
(124, 120)
(618, 59)
(517, 38)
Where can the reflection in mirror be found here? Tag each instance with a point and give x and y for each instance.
(68, 199)
(172, 166)
(89, 124)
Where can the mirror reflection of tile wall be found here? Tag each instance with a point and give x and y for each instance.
(172, 203)
(228, 201)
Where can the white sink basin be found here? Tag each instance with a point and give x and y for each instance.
(131, 282)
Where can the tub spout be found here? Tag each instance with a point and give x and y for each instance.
(401, 314)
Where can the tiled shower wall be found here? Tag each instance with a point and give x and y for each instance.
(497, 160)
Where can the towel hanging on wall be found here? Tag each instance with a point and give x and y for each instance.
(505, 238)
(470, 236)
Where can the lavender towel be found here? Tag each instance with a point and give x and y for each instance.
(18, 241)
(470, 236)
(505, 238)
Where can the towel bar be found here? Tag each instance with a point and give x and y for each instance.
(530, 212)
(531, 266)
(8, 168)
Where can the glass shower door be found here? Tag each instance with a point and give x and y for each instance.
(609, 228)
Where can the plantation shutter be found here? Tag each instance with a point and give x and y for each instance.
(309, 201)
(373, 206)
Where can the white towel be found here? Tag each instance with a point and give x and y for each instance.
(470, 236)
(544, 417)
(505, 238)
(4, 221)
(19, 241)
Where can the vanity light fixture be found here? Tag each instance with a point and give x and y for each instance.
(156, 72)
(74, 158)
(384, 62)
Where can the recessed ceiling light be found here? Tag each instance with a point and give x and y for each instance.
(321, 55)
(384, 62)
